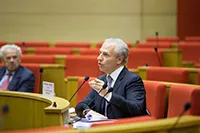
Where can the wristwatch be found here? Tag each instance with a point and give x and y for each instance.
(85, 111)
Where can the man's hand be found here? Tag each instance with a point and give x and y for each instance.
(97, 85)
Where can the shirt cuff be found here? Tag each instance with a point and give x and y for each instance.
(108, 96)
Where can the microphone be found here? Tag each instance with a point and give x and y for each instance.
(156, 49)
(54, 104)
(5, 109)
(23, 44)
(137, 42)
(156, 34)
(103, 87)
(186, 107)
(85, 79)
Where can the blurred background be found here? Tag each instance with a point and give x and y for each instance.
(93, 20)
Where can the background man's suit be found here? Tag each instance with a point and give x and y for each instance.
(23, 80)
(128, 98)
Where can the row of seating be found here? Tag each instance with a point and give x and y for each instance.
(35, 44)
(137, 56)
(77, 65)
(173, 39)
(163, 39)
(165, 42)
(87, 65)
(192, 39)
(160, 74)
(189, 50)
(55, 73)
(50, 73)
(154, 44)
(170, 74)
(189, 46)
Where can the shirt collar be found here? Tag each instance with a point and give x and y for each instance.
(114, 75)
(7, 72)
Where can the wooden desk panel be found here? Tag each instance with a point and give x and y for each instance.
(29, 110)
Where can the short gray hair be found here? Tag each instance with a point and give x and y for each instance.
(121, 48)
(10, 46)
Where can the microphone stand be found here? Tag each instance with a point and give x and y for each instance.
(156, 49)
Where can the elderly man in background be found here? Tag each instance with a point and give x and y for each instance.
(13, 76)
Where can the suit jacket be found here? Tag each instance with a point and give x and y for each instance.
(23, 80)
(128, 98)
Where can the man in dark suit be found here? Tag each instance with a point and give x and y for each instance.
(127, 98)
(13, 76)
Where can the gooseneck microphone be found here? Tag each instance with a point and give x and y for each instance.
(103, 87)
(186, 107)
(156, 49)
(85, 79)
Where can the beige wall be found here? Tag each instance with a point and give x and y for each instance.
(85, 20)
(159, 15)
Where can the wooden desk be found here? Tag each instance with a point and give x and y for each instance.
(29, 110)
(187, 124)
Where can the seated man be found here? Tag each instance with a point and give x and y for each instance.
(124, 95)
(13, 76)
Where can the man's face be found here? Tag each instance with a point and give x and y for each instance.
(107, 59)
(11, 59)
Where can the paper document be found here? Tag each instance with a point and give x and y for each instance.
(90, 118)
(82, 125)
(71, 110)
(94, 116)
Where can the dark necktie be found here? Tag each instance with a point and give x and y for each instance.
(109, 82)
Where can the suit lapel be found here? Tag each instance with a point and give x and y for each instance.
(119, 79)
(102, 104)
(101, 100)
(2, 72)
(13, 84)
